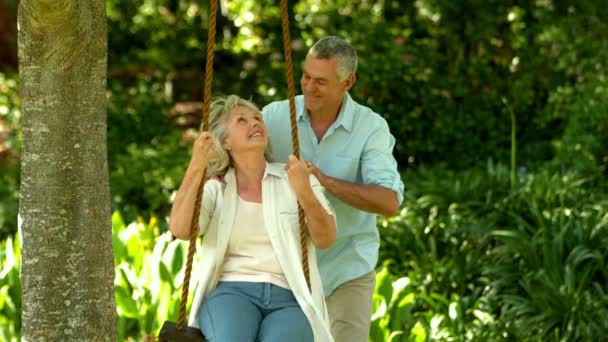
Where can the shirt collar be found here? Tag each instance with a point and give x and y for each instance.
(303, 113)
(345, 116)
(272, 169)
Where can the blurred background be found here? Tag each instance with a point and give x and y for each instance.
(500, 111)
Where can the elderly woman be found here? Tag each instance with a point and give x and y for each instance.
(251, 285)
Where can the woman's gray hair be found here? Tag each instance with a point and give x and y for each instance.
(336, 47)
(218, 117)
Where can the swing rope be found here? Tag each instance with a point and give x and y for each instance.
(296, 150)
(199, 194)
(294, 130)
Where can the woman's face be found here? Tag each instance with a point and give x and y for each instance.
(246, 131)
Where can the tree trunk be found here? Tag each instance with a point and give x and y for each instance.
(67, 269)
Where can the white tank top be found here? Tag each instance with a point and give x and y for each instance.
(250, 256)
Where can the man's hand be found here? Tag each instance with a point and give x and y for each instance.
(312, 168)
(367, 197)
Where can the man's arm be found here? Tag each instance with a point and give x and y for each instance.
(371, 198)
(380, 190)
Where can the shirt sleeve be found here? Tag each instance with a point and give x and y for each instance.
(270, 113)
(378, 166)
(276, 119)
(210, 192)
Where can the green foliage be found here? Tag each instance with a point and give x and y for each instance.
(468, 258)
(146, 155)
(549, 265)
(147, 286)
(392, 307)
(10, 290)
(143, 31)
(10, 148)
(149, 273)
(484, 262)
(438, 71)
(402, 313)
(439, 241)
(583, 107)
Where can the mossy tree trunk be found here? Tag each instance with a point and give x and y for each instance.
(67, 269)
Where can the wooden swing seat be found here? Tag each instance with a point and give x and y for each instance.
(170, 333)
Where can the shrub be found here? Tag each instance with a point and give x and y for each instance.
(149, 274)
(146, 154)
(486, 262)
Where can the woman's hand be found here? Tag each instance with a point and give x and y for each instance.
(203, 149)
(299, 175)
(321, 225)
(185, 199)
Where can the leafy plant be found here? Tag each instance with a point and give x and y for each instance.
(10, 149)
(149, 274)
(10, 289)
(146, 153)
(392, 308)
(583, 107)
(549, 272)
(487, 262)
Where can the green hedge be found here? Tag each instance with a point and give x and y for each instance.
(436, 70)
(487, 262)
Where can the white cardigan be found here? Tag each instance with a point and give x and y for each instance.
(280, 210)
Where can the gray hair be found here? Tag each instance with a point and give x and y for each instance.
(218, 116)
(336, 47)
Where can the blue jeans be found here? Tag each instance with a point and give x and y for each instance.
(245, 311)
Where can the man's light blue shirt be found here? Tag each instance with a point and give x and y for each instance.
(358, 148)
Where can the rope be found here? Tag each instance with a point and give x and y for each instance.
(296, 148)
(294, 130)
(197, 204)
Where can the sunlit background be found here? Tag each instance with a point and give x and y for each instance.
(500, 111)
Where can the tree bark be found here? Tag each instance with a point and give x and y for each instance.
(67, 269)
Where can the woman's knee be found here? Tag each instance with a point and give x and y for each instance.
(289, 324)
(229, 317)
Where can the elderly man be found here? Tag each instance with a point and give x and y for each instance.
(349, 148)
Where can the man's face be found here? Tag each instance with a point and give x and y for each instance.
(323, 91)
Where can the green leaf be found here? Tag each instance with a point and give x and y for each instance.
(118, 224)
(384, 286)
(177, 258)
(418, 332)
(165, 275)
(125, 304)
(394, 336)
